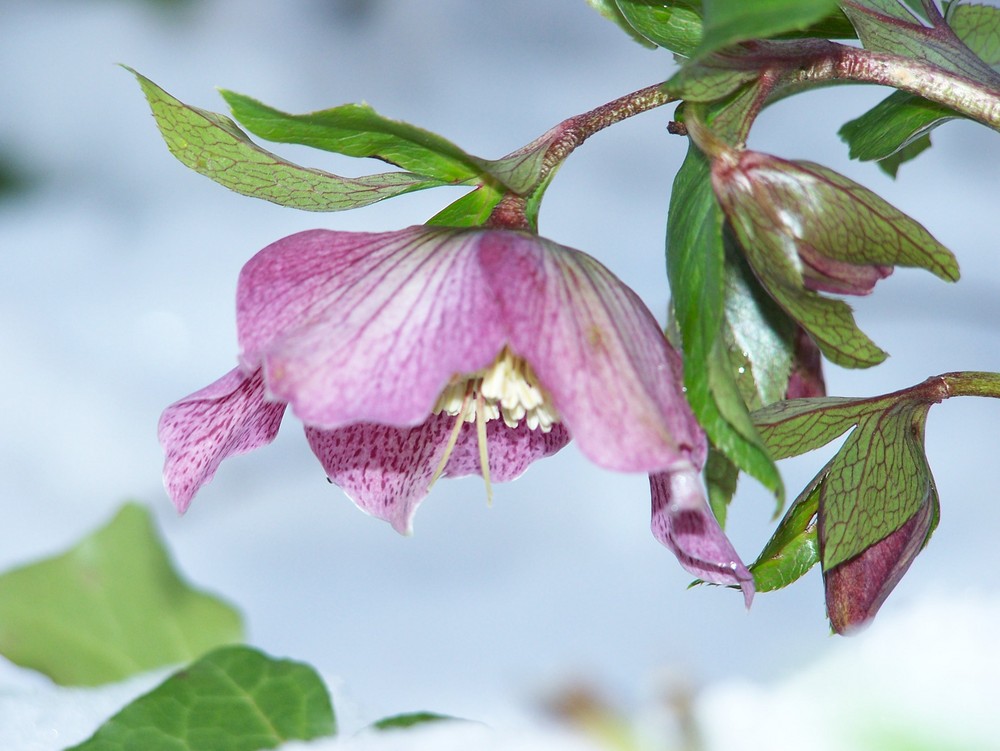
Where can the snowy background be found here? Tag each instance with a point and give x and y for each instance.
(116, 297)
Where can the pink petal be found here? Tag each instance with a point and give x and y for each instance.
(684, 523)
(358, 327)
(597, 350)
(228, 417)
(510, 450)
(385, 470)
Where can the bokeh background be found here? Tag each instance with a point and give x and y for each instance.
(116, 298)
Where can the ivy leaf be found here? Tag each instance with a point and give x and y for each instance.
(234, 698)
(695, 266)
(214, 146)
(357, 130)
(408, 720)
(113, 606)
(727, 22)
(793, 548)
(805, 228)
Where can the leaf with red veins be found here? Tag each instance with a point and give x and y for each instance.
(804, 227)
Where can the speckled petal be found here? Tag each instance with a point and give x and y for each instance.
(510, 450)
(359, 327)
(597, 350)
(684, 523)
(385, 470)
(228, 417)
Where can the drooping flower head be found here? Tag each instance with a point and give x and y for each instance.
(432, 352)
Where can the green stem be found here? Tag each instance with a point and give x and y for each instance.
(972, 383)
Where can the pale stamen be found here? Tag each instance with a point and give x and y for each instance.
(507, 389)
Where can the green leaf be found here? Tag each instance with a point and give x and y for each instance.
(721, 476)
(885, 26)
(894, 123)
(214, 146)
(609, 9)
(696, 271)
(757, 333)
(730, 21)
(796, 426)
(896, 129)
(793, 548)
(408, 720)
(113, 606)
(674, 24)
(876, 482)
(233, 699)
(471, 210)
(357, 130)
(979, 27)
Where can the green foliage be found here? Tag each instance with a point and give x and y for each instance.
(793, 548)
(112, 606)
(897, 128)
(731, 21)
(879, 477)
(783, 212)
(695, 266)
(674, 25)
(233, 699)
(408, 720)
(214, 146)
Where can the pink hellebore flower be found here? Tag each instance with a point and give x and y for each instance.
(429, 352)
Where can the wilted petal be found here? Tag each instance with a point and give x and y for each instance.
(359, 327)
(822, 274)
(228, 417)
(510, 450)
(597, 350)
(684, 523)
(806, 377)
(856, 589)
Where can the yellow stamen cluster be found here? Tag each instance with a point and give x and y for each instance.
(509, 390)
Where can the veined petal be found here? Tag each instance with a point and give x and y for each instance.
(359, 327)
(597, 350)
(510, 450)
(684, 523)
(385, 470)
(228, 417)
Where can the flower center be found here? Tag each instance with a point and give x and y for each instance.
(507, 389)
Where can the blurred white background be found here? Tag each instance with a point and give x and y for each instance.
(116, 299)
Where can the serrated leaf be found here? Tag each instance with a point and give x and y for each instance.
(894, 123)
(707, 80)
(885, 26)
(876, 482)
(408, 720)
(233, 699)
(674, 25)
(721, 476)
(793, 548)
(695, 269)
(113, 606)
(357, 130)
(729, 21)
(896, 129)
(214, 146)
